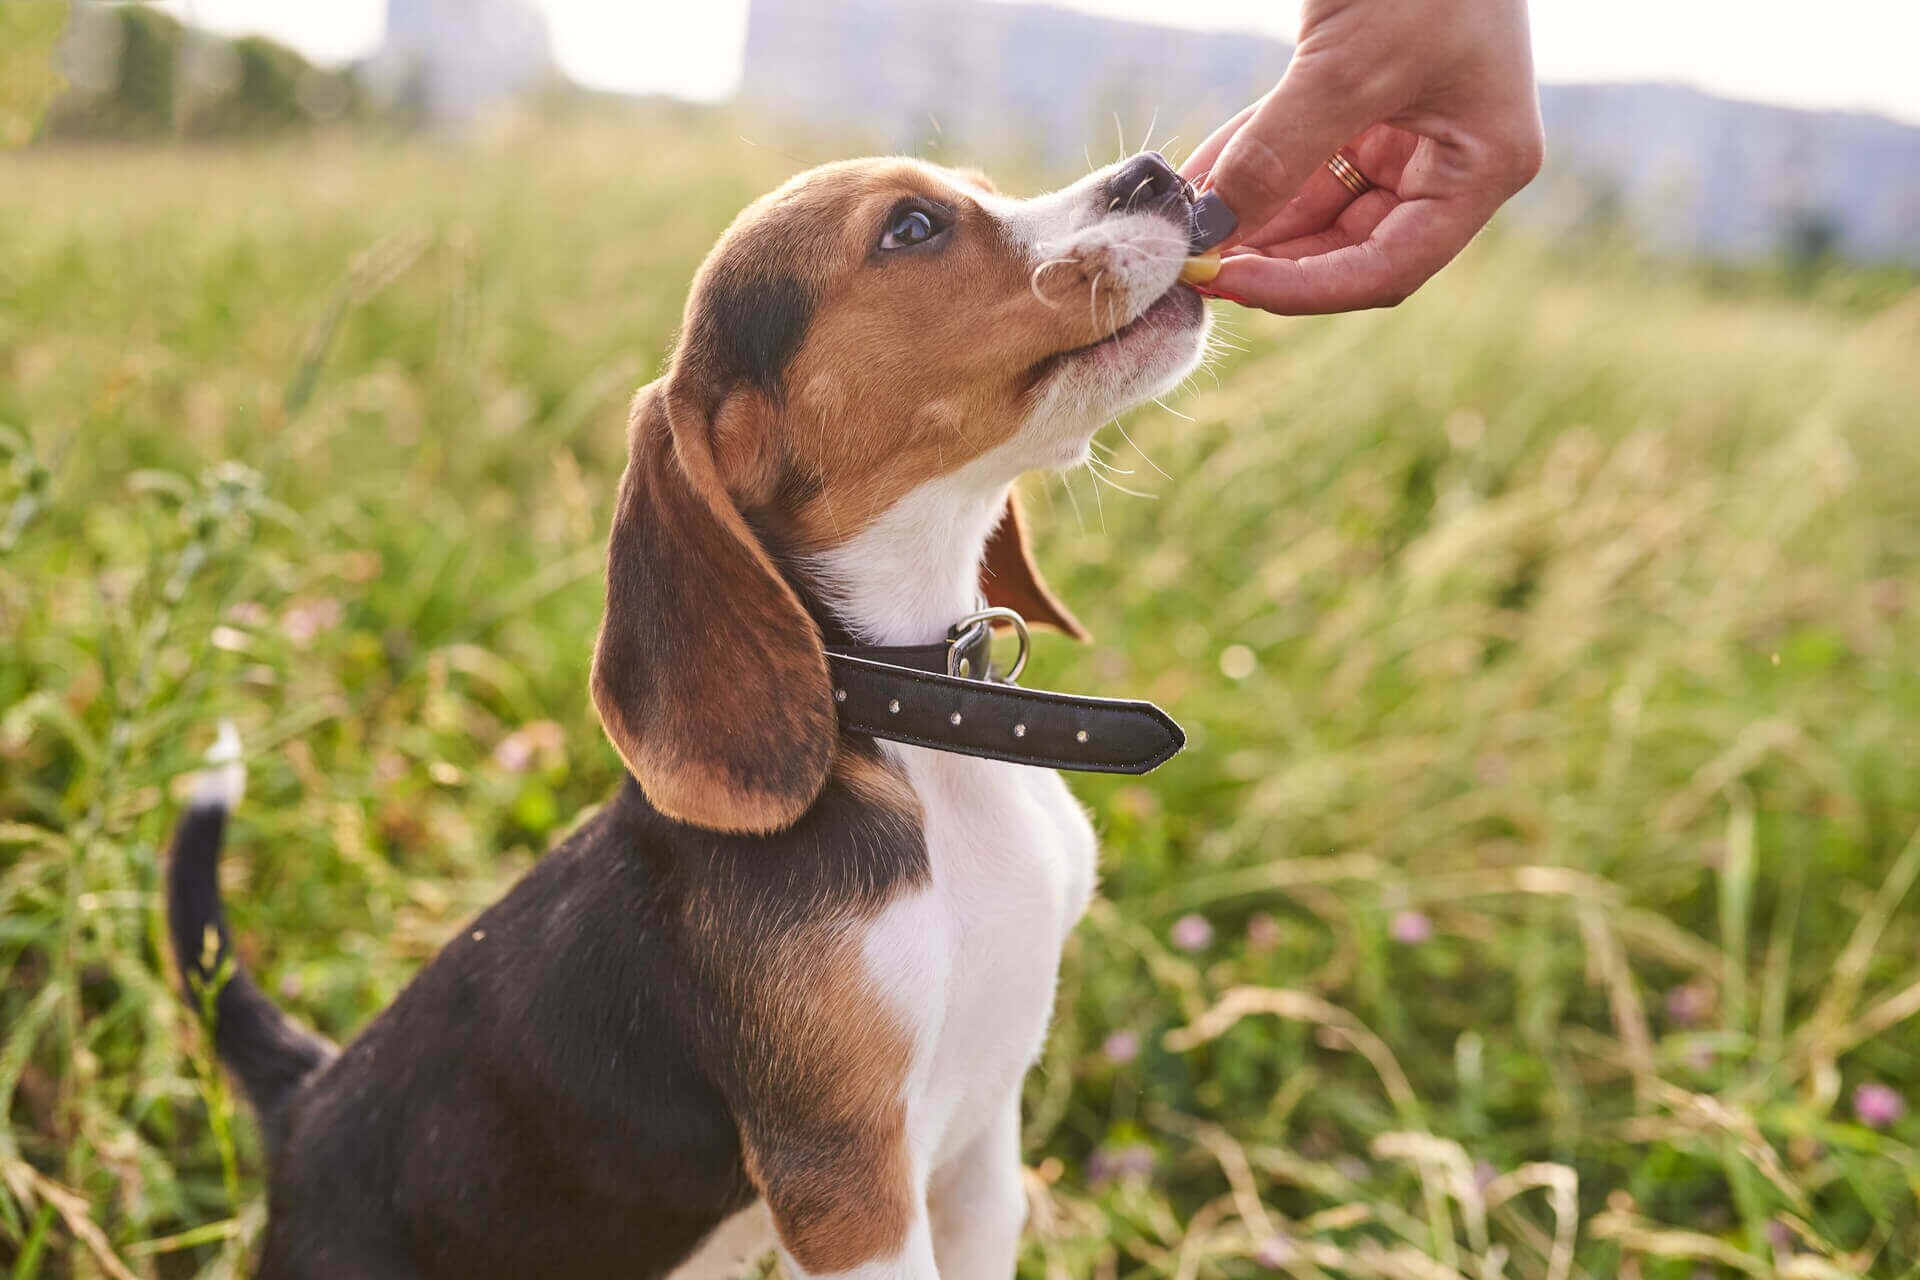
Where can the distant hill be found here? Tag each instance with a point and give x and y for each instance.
(1739, 178)
(1024, 80)
(1687, 170)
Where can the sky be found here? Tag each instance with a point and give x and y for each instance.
(1857, 54)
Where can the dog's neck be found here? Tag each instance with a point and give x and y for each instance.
(909, 575)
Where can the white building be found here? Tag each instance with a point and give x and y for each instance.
(457, 58)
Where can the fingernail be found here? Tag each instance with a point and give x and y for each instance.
(1211, 221)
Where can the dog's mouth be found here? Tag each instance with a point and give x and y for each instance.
(1177, 309)
(1176, 303)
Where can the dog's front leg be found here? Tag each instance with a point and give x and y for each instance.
(978, 1205)
(846, 1200)
(913, 1261)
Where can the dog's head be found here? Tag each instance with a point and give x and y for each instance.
(867, 328)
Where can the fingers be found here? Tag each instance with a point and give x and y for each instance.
(1270, 157)
(1195, 168)
(1320, 202)
(1410, 242)
(1381, 154)
(1353, 224)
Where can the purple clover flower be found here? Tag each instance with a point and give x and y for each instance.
(1191, 933)
(1411, 928)
(1877, 1106)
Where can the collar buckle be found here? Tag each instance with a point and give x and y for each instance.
(963, 636)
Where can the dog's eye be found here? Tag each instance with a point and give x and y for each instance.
(910, 226)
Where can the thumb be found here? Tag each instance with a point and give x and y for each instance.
(1310, 115)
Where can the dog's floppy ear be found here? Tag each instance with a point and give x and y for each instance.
(709, 676)
(1010, 579)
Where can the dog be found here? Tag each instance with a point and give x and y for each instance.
(781, 990)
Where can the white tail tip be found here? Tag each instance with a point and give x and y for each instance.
(221, 784)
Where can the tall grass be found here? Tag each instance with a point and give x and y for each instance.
(1533, 899)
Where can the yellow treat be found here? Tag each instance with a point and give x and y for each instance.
(1200, 269)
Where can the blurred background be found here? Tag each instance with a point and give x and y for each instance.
(1533, 899)
(1732, 130)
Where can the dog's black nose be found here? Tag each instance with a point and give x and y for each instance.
(1146, 182)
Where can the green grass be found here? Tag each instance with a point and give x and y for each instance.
(1547, 648)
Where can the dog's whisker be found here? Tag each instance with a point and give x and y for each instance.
(833, 517)
(1098, 505)
(1099, 480)
(1208, 365)
(761, 146)
(1121, 427)
(1033, 279)
(1073, 501)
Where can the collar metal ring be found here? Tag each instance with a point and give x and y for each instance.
(991, 615)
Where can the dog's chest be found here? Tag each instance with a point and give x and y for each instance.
(971, 961)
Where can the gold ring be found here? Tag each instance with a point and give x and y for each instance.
(1349, 174)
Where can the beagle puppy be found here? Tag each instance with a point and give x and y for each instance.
(781, 990)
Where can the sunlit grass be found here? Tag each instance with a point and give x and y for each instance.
(1531, 901)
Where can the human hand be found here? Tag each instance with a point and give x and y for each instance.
(1433, 102)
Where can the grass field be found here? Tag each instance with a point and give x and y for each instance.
(1532, 900)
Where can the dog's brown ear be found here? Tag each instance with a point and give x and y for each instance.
(1010, 579)
(709, 676)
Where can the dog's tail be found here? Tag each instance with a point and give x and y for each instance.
(267, 1054)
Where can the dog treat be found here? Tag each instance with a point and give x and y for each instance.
(1201, 268)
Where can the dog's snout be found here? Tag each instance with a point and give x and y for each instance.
(1145, 183)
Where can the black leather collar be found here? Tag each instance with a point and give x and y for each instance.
(946, 696)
